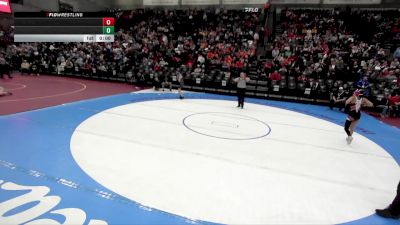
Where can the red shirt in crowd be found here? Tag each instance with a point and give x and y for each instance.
(302, 78)
(275, 76)
(385, 73)
(145, 50)
(268, 65)
(239, 64)
(291, 35)
(228, 60)
(176, 59)
(190, 63)
(210, 55)
(394, 99)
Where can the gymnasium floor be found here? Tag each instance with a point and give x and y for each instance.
(150, 158)
(33, 92)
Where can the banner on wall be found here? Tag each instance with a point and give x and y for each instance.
(200, 2)
(5, 6)
(353, 2)
(303, 2)
(160, 2)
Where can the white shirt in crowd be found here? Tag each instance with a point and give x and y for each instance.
(201, 59)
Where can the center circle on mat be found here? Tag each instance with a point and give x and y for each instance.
(226, 125)
(303, 173)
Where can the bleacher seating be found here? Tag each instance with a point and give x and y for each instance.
(314, 52)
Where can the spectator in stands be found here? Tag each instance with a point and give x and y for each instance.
(363, 84)
(393, 211)
(384, 104)
(197, 71)
(275, 76)
(201, 59)
(87, 68)
(69, 66)
(35, 68)
(102, 69)
(302, 78)
(338, 99)
(394, 104)
(44, 66)
(275, 52)
(315, 89)
(25, 67)
(396, 54)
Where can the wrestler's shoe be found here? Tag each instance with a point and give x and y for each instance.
(386, 214)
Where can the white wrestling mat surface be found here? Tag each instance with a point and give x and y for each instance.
(208, 160)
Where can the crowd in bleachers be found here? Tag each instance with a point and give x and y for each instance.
(319, 50)
(326, 49)
(149, 43)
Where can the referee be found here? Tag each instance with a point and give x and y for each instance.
(241, 88)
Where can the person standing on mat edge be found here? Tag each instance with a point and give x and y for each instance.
(393, 211)
(5, 67)
(241, 88)
(354, 104)
(181, 84)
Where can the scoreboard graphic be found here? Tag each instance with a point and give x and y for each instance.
(64, 27)
(5, 6)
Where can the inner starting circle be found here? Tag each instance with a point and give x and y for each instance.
(226, 125)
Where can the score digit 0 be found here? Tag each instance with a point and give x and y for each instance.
(108, 21)
(108, 30)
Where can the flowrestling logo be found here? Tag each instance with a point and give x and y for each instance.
(45, 205)
(5, 6)
(64, 15)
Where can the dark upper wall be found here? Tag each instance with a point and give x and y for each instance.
(98, 5)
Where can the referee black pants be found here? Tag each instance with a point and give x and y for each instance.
(241, 92)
